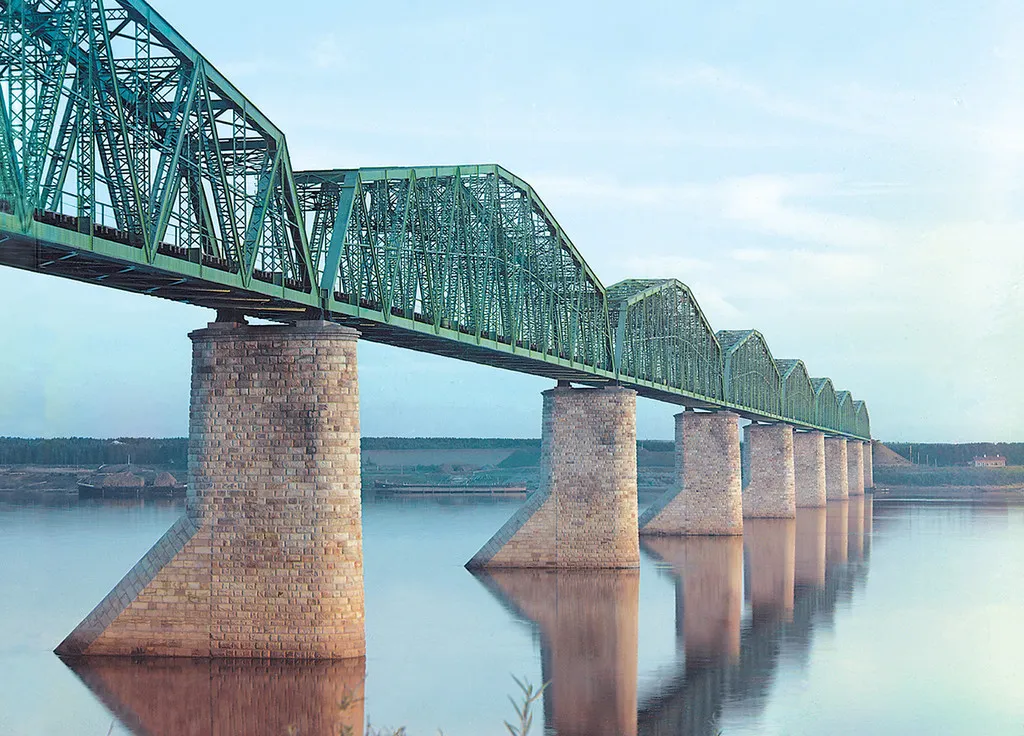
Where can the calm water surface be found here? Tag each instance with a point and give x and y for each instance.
(896, 619)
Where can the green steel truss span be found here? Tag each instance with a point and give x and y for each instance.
(127, 160)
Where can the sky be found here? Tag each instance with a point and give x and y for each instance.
(845, 177)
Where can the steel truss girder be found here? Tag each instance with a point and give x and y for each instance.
(661, 335)
(751, 377)
(108, 116)
(126, 159)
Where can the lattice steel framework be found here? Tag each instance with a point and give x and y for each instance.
(113, 125)
(863, 426)
(127, 160)
(750, 375)
(846, 410)
(663, 337)
(797, 391)
(826, 408)
(472, 249)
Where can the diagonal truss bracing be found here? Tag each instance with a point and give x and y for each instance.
(662, 336)
(127, 159)
(114, 124)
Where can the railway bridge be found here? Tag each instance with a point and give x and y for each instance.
(127, 160)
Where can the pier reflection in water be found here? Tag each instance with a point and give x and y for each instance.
(837, 532)
(770, 546)
(794, 573)
(811, 528)
(202, 697)
(708, 575)
(587, 621)
(855, 544)
(791, 590)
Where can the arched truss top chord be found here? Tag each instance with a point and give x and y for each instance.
(797, 391)
(847, 412)
(863, 423)
(662, 336)
(465, 248)
(826, 408)
(751, 378)
(128, 160)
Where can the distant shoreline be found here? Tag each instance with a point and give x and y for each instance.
(964, 494)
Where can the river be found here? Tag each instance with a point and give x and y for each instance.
(858, 619)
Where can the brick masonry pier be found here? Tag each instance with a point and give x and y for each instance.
(809, 469)
(869, 467)
(855, 467)
(584, 515)
(837, 486)
(771, 493)
(707, 497)
(267, 561)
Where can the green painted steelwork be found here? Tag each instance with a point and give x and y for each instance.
(127, 160)
(797, 391)
(750, 374)
(469, 248)
(826, 407)
(863, 420)
(662, 336)
(847, 411)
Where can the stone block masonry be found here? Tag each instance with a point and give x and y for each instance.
(771, 493)
(837, 485)
(869, 467)
(855, 467)
(267, 562)
(707, 497)
(584, 515)
(809, 469)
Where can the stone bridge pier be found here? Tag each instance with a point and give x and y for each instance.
(855, 467)
(267, 561)
(869, 467)
(837, 484)
(707, 497)
(809, 469)
(584, 515)
(771, 493)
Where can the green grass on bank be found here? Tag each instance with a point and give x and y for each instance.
(955, 476)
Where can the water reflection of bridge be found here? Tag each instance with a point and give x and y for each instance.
(797, 573)
(180, 696)
(791, 576)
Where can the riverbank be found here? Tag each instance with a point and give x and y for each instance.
(972, 494)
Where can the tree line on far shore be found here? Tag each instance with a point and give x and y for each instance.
(173, 451)
(945, 454)
(87, 451)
